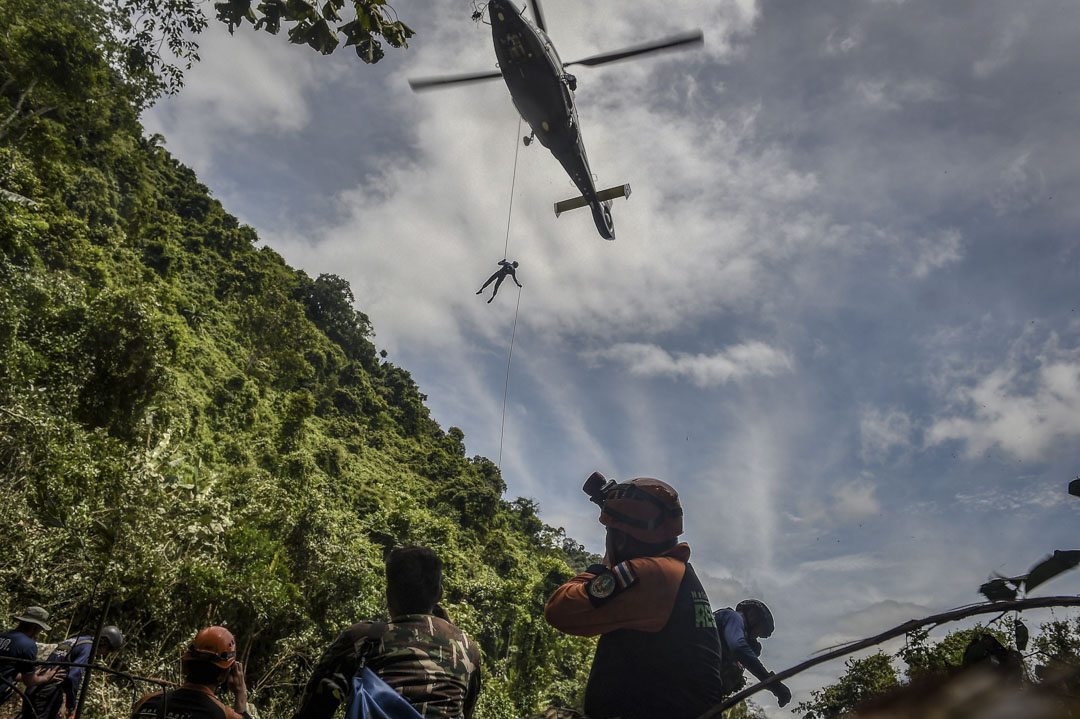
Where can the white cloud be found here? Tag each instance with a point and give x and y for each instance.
(1023, 407)
(1045, 496)
(889, 94)
(840, 43)
(1001, 51)
(860, 562)
(265, 90)
(936, 252)
(880, 432)
(1020, 186)
(870, 621)
(731, 364)
(856, 500)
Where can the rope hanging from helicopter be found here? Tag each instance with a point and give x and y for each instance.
(517, 307)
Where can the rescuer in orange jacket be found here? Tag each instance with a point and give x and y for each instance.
(659, 652)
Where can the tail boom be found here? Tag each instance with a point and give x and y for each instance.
(580, 201)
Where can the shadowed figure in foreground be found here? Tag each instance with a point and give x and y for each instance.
(506, 269)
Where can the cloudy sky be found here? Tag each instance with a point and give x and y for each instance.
(840, 316)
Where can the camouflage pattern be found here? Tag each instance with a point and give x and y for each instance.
(428, 660)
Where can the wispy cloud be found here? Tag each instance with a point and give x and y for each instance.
(933, 253)
(860, 562)
(1023, 407)
(729, 365)
(1045, 496)
(871, 620)
(856, 500)
(883, 431)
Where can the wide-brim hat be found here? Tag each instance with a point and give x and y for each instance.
(35, 615)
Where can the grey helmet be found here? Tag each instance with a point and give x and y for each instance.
(113, 636)
(759, 615)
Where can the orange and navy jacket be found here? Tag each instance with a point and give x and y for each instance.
(189, 701)
(658, 653)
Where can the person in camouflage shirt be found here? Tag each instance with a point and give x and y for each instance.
(428, 660)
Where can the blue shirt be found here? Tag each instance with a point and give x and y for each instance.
(72, 649)
(737, 647)
(17, 655)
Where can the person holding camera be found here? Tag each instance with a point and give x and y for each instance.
(208, 663)
(659, 652)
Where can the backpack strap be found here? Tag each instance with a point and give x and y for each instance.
(369, 644)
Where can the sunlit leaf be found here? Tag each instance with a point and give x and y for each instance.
(234, 12)
(369, 50)
(1060, 561)
(330, 10)
(272, 12)
(296, 10)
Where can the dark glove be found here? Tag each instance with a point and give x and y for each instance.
(782, 693)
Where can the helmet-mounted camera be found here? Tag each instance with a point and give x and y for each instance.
(645, 508)
(596, 486)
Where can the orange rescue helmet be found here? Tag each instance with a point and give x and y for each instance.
(645, 508)
(214, 645)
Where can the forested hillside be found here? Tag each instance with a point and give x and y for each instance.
(197, 433)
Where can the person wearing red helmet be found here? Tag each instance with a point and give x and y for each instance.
(208, 662)
(658, 654)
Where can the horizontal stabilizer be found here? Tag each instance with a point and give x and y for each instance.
(603, 195)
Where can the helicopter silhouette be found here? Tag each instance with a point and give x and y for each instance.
(543, 93)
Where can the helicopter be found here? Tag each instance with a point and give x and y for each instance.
(543, 93)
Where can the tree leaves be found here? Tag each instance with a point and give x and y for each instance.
(315, 25)
(234, 12)
(316, 35)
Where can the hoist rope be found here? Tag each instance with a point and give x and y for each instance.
(506, 385)
(513, 334)
(513, 181)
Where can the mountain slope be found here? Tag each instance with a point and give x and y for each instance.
(197, 433)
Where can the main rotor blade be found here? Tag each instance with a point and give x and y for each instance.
(430, 83)
(688, 38)
(539, 15)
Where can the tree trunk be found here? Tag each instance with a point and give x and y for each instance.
(18, 107)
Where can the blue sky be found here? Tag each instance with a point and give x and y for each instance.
(840, 316)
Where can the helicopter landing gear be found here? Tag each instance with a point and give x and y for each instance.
(528, 139)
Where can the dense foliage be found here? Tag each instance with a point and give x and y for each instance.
(200, 434)
(1054, 654)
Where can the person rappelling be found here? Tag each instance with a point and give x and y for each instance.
(506, 269)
